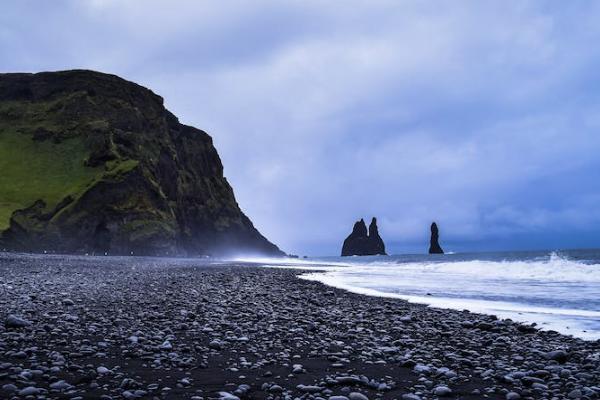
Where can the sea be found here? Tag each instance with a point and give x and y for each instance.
(557, 290)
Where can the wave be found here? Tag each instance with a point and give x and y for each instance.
(551, 289)
(555, 267)
(292, 262)
(578, 322)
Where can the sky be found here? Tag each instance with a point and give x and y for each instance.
(483, 116)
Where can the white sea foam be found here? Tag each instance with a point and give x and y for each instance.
(301, 263)
(555, 268)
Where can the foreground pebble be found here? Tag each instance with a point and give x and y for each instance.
(12, 321)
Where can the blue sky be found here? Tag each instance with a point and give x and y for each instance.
(481, 115)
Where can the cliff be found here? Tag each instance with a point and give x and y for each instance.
(361, 243)
(92, 163)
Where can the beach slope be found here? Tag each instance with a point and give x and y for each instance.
(117, 328)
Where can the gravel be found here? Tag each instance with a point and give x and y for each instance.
(147, 328)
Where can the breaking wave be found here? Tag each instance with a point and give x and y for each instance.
(556, 290)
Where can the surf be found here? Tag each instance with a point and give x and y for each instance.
(556, 290)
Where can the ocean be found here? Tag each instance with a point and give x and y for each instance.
(557, 290)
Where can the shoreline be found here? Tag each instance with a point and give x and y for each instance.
(500, 310)
(564, 300)
(170, 329)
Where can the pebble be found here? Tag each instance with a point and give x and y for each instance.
(102, 370)
(60, 385)
(265, 329)
(560, 356)
(227, 396)
(275, 389)
(215, 345)
(9, 387)
(357, 396)
(575, 394)
(12, 321)
(309, 388)
(29, 391)
(442, 391)
(297, 369)
(166, 345)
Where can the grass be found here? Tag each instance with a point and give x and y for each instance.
(117, 168)
(44, 170)
(31, 170)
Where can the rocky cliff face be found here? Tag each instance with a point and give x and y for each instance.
(92, 163)
(361, 243)
(434, 245)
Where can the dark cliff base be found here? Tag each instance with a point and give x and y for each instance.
(173, 329)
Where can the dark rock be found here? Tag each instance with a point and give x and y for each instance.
(434, 245)
(12, 321)
(361, 243)
(357, 241)
(526, 328)
(376, 242)
(560, 356)
(150, 186)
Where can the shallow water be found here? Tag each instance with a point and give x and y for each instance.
(557, 290)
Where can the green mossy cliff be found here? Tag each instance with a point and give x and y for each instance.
(92, 163)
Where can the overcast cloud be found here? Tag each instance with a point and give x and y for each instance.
(481, 115)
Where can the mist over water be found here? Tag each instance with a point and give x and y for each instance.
(556, 290)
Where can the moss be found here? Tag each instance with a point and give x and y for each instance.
(34, 170)
(116, 169)
(98, 125)
(140, 230)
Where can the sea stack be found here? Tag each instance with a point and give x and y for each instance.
(434, 245)
(363, 243)
(375, 241)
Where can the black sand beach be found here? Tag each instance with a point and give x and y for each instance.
(114, 328)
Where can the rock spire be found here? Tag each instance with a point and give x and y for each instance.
(434, 245)
(363, 243)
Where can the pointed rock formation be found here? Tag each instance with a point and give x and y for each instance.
(356, 240)
(375, 241)
(361, 243)
(434, 245)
